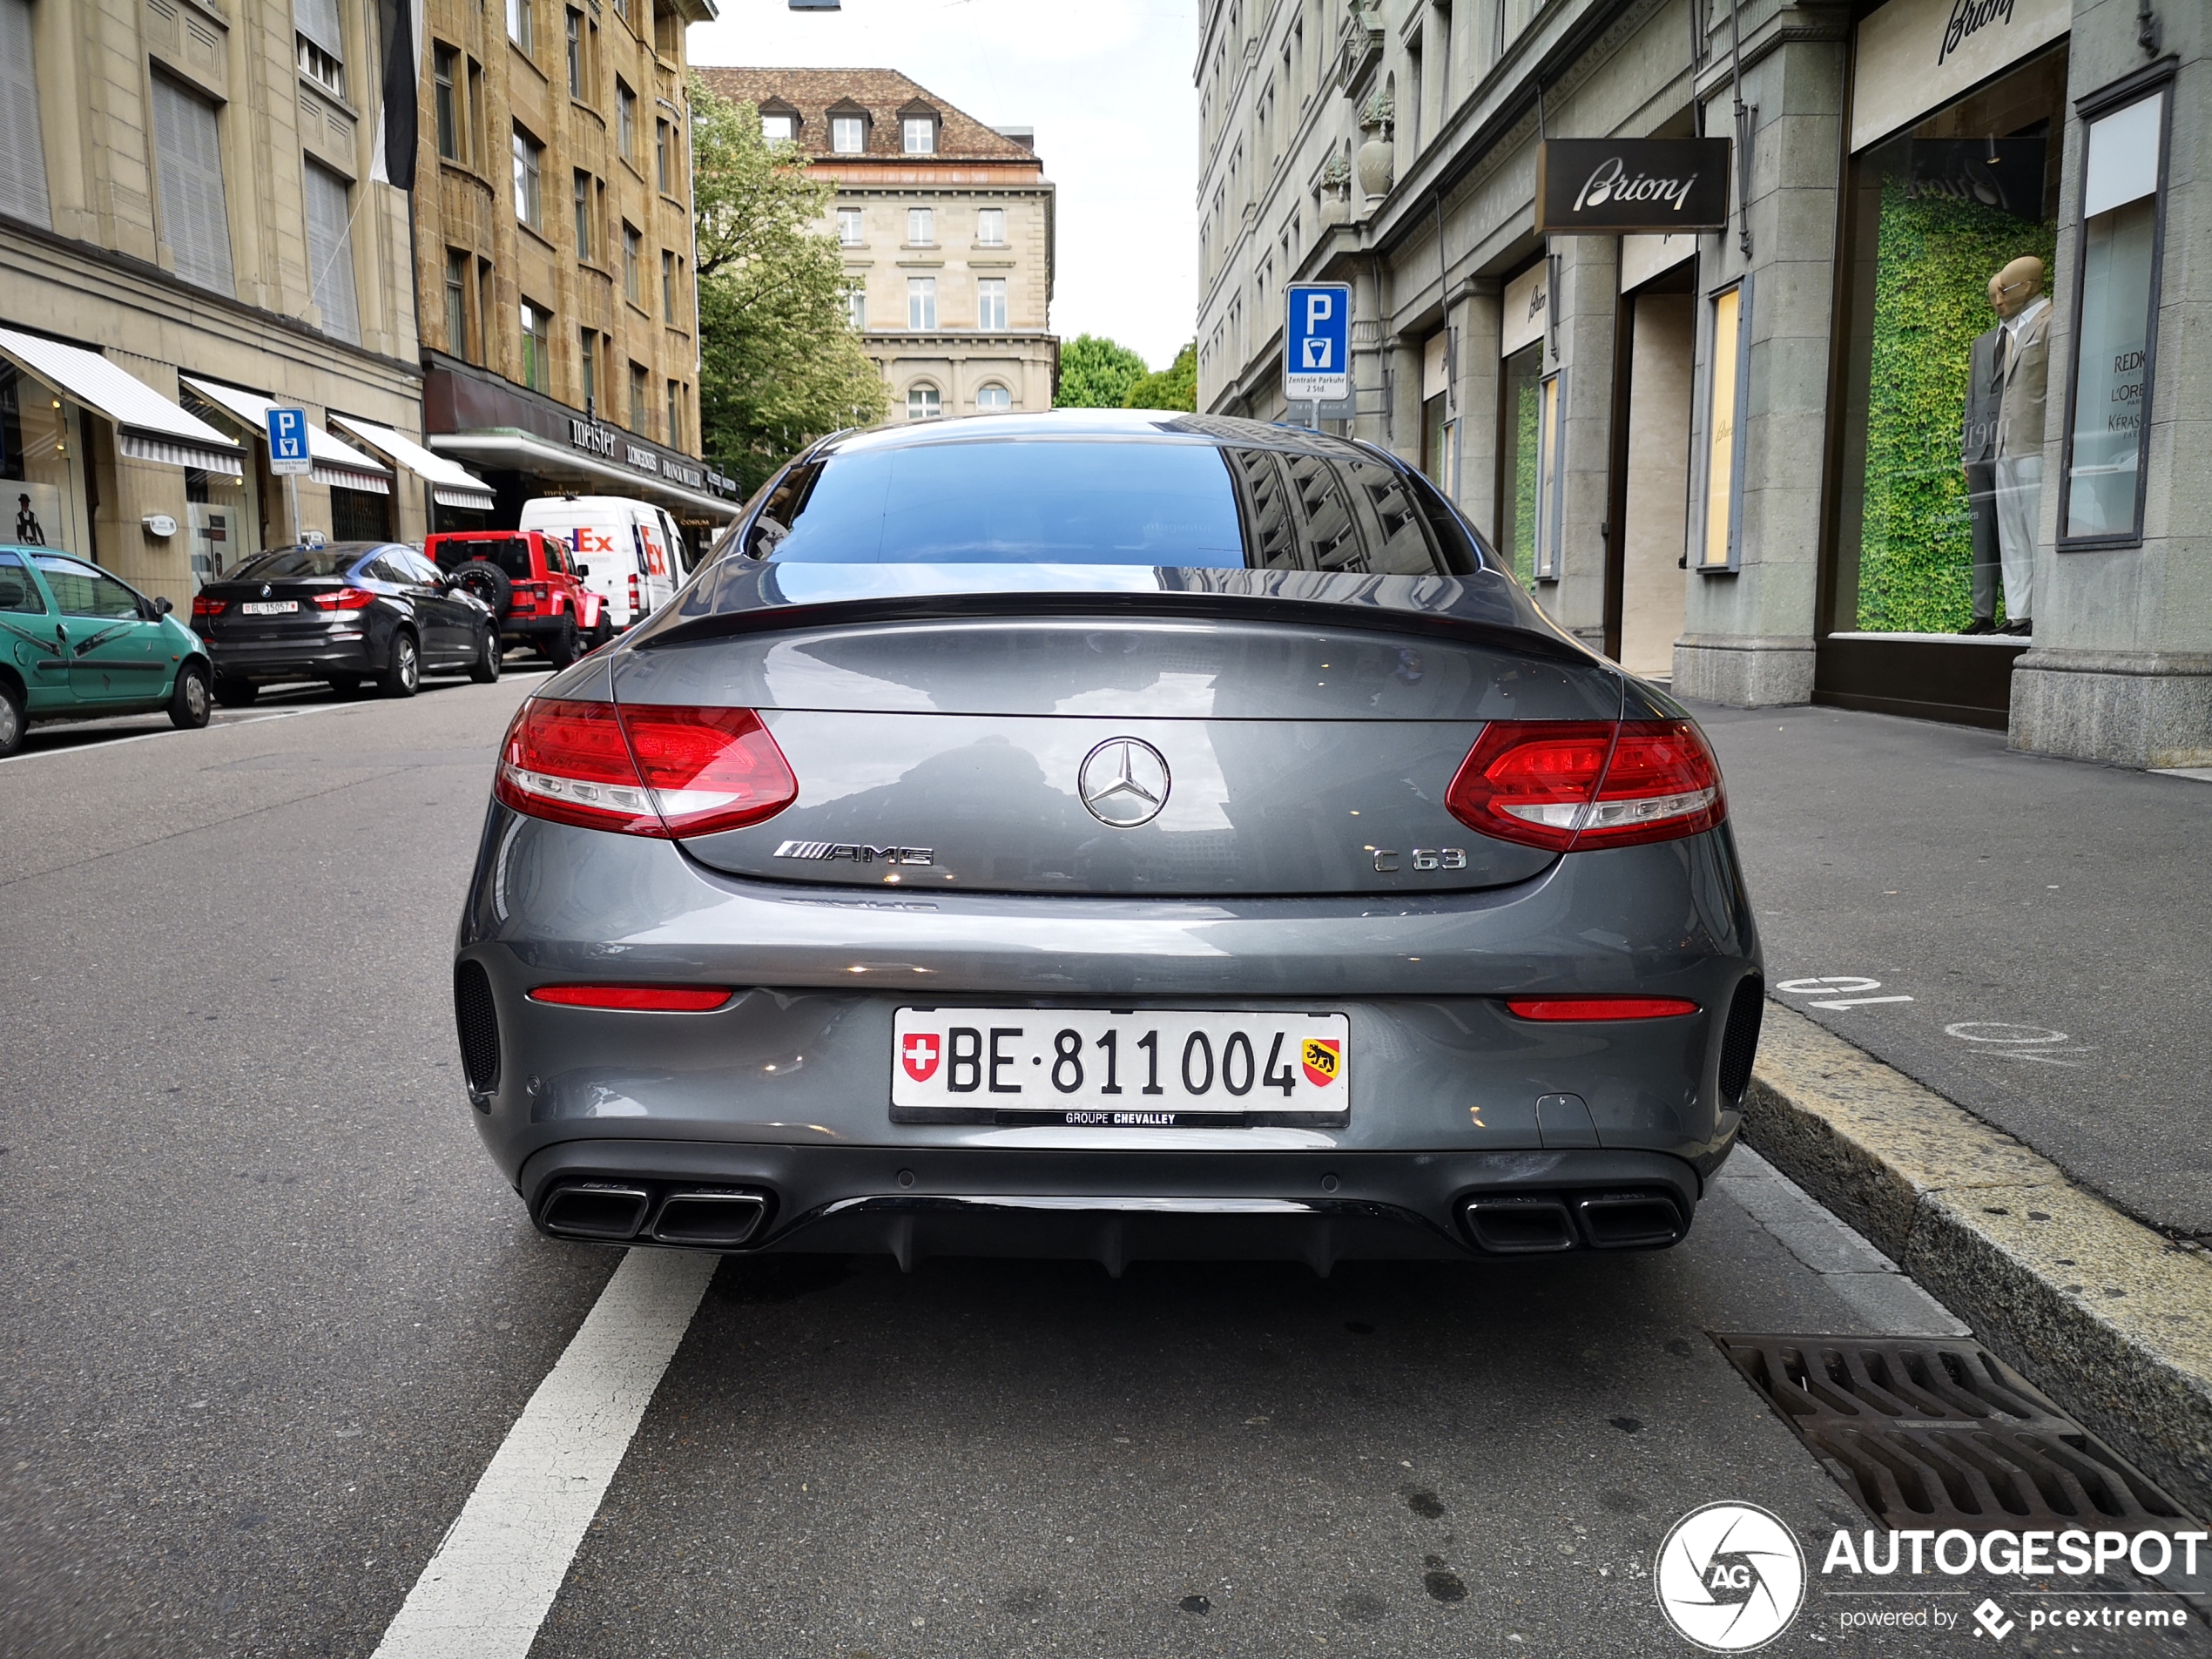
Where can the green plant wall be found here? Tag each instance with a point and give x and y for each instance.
(1527, 433)
(1932, 267)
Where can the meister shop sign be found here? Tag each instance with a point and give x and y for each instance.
(1631, 186)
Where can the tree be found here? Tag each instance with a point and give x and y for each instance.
(1095, 374)
(1175, 387)
(780, 364)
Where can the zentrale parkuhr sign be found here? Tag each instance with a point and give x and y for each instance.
(1631, 186)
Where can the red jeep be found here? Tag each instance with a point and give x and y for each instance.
(532, 587)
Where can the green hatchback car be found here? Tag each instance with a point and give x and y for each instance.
(75, 643)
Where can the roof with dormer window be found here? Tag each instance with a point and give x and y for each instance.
(883, 96)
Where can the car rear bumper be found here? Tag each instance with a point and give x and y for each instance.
(1113, 1207)
(536, 627)
(285, 659)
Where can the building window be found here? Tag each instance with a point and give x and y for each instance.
(633, 280)
(2116, 310)
(587, 367)
(921, 303)
(990, 227)
(848, 134)
(923, 403)
(918, 136)
(1724, 387)
(444, 66)
(663, 167)
(779, 128)
(330, 254)
(676, 414)
(848, 227)
(521, 25)
(575, 55)
(994, 399)
(667, 286)
(23, 155)
(529, 158)
(639, 412)
(856, 306)
(195, 216)
(537, 361)
(625, 118)
(321, 67)
(583, 205)
(921, 227)
(990, 303)
(457, 303)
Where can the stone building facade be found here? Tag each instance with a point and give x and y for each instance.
(946, 229)
(190, 228)
(1913, 433)
(553, 252)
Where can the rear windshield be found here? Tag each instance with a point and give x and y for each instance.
(298, 561)
(1109, 502)
(511, 554)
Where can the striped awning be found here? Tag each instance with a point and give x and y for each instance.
(148, 427)
(451, 485)
(339, 465)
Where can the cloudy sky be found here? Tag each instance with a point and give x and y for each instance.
(1105, 83)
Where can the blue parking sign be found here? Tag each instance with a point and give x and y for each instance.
(1316, 342)
(288, 451)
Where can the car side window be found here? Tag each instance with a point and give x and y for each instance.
(387, 568)
(19, 592)
(82, 591)
(419, 570)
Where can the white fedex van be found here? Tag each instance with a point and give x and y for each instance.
(628, 552)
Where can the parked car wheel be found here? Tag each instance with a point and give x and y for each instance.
(12, 720)
(236, 694)
(487, 582)
(403, 668)
(189, 705)
(560, 649)
(601, 635)
(488, 660)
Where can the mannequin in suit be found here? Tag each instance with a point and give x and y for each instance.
(2022, 372)
(1978, 455)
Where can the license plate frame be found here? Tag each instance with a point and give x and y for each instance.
(965, 1063)
(269, 608)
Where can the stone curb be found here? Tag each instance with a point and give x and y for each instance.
(2113, 1319)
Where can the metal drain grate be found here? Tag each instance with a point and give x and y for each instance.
(1932, 1430)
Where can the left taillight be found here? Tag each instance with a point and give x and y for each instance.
(654, 770)
(1580, 785)
(206, 610)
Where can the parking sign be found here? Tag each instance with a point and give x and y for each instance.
(1316, 342)
(289, 441)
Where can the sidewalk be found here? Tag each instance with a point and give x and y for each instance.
(2029, 938)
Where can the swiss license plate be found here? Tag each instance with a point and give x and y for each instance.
(268, 607)
(1153, 1068)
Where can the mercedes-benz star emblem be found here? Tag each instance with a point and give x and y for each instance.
(1123, 782)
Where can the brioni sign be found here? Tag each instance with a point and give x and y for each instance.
(1617, 186)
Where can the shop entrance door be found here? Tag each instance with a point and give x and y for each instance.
(1654, 511)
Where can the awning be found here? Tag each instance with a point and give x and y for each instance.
(451, 486)
(507, 447)
(148, 427)
(339, 465)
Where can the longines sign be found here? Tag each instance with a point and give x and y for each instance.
(1631, 186)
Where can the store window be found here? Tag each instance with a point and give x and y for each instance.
(2115, 313)
(43, 496)
(1725, 387)
(1528, 428)
(1951, 225)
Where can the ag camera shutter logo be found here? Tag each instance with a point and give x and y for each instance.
(1731, 1577)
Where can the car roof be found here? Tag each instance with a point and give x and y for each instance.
(1157, 425)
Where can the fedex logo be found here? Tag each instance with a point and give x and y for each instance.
(582, 540)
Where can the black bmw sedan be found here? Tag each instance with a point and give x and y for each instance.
(345, 612)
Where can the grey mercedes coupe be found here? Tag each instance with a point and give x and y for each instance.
(1113, 835)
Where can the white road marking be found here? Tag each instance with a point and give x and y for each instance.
(494, 1576)
(2036, 1036)
(1858, 1002)
(1838, 986)
(178, 731)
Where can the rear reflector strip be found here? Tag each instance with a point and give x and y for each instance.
(656, 999)
(1599, 1007)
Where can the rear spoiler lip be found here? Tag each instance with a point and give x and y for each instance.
(1367, 614)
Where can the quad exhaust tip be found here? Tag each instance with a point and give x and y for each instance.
(602, 1209)
(1543, 1225)
(707, 1219)
(688, 1218)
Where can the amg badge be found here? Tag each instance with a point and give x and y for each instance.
(825, 852)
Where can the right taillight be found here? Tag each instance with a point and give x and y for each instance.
(1577, 785)
(651, 770)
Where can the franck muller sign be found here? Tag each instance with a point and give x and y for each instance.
(1631, 186)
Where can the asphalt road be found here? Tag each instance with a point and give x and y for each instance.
(270, 1314)
(2034, 931)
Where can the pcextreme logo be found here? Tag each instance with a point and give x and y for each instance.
(1731, 1577)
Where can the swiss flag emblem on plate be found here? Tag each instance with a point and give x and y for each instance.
(1323, 1058)
(919, 1054)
